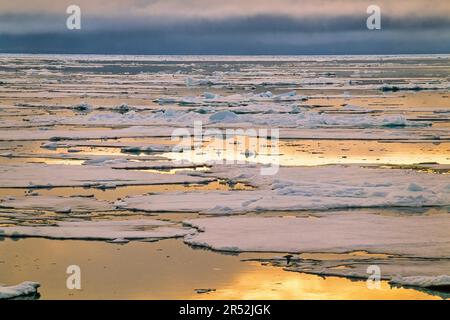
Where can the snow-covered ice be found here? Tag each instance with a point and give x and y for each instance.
(344, 232)
(23, 289)
(42, 176)
(301, 188)
(58, 204)
(101, 230)
(423, 281)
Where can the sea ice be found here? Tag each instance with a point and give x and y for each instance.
(345, 232)
(301, 188)
(23, 289)
(57, 204)
(43, 176)
(423, 281)
(101, 230)
(223, 116)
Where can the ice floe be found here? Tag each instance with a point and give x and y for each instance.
(423, 281)
(344, 232)
(48, 176)
(65, 205)
(301, 118)
(101, 230)
(23, 289)
(301, 188)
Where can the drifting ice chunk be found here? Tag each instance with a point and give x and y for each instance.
(349, 107)
(23, 289)
(223, 116)
(64, 210)
(166, 100)
(192, 82)
(6, 154)
(98, 161)
(50, 145)
(285, 96)
(220, 209)
(398, 121)
(414, 187)
(209, 95)
(266, 94)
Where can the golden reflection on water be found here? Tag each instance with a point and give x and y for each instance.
(314, 152)
(67, 162)
(243, 149)
(168, 270)
(273, 283)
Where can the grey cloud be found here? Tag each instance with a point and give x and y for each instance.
(244, 35)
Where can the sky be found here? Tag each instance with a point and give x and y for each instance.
(225, 27)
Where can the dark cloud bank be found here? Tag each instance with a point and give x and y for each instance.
(251, 35)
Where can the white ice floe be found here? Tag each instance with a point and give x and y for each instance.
(423, 281)
(350, 107)
(48, 176)
(50, 145)
(6, 154)
(209, 95)
(66, 210)
(285, 96)
(338, 232)
(253, 109)
(223, 116)
(301, 188)
(166, 100)
(205, 202)
(190, 82)
(23, 289)
(103, 160)
(119, 240)
(65, 205)
(415, 187)
(304, 119)
(101, 230)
